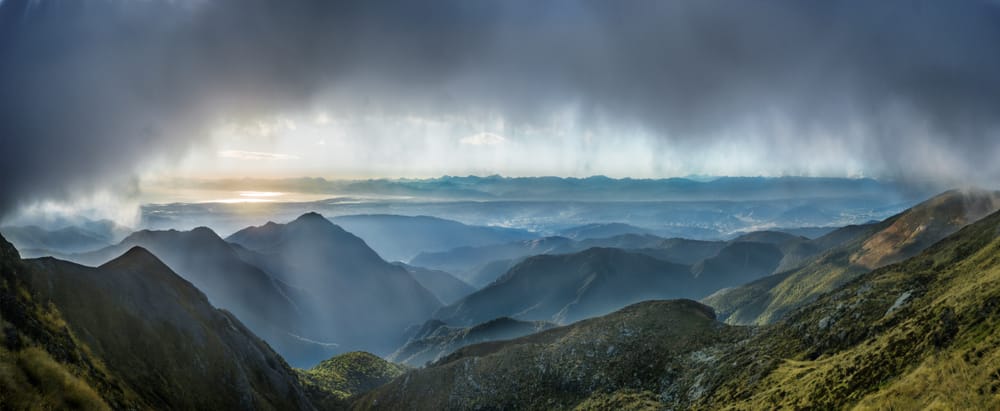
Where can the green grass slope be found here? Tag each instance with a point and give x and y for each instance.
(160, 336)
(862, 249)
(42, 363)
(435, 339)
(923, 333)
(338, 378)
(646, 347)
(920, 334)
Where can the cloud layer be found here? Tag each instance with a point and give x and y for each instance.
(90, 90)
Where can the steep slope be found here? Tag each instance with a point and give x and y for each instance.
(569, 287)
(363, 302)
(444, 286)
(338, 378)
(645, 347)
(399, 238)
(42, 363)
(272, 309)
(862, 249)
(920, 334)
(160, 335)
(923, 333)
(436, 339)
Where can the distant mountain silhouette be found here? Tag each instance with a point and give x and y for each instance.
(601, 230)
(36, 241)
(446, 287)
(480, 266)
(568, 287)
(400, 238)
(465, 261)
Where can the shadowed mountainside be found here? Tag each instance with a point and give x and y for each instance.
(480, 266)
(161, 337)
(363, 302)
(277, 312)
(446, 287)
(42, 363)
(568, 287)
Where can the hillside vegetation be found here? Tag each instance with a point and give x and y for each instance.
(340, 377)
(923, 333)
(861, 249)
(43, 365)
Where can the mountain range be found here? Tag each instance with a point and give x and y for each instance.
(399, 238)
(280, 313)
(916, 334)
(302, 286)
(482, 265)
(568, 287)
(159, 336)
(894, 314)
(598, 188)
(859, 250)
(87, 235)
(360, 300)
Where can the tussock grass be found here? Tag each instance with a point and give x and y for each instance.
(31, 380)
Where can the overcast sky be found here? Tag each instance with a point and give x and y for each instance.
(102, 94)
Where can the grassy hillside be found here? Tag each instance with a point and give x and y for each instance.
(861, 249)
(923, 333)
(160, 336)
(43, 365)
(632, 349)
(351, 373)
(435, 339)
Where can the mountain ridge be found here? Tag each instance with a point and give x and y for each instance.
(896, 238)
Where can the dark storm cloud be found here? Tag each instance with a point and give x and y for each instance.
(91, 89)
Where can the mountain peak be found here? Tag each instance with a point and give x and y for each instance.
(311, 216)
(202, 230)
(135, 257)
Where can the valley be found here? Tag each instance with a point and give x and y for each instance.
(586, 323)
